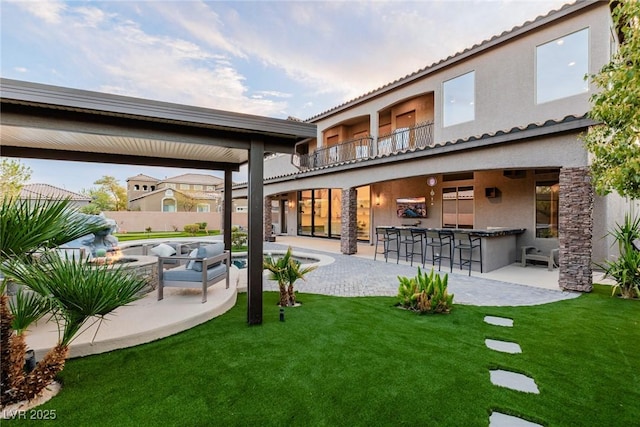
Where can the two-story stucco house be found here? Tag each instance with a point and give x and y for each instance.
(189, 192)
(486, 139)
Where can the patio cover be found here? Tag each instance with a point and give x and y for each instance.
(50, 122)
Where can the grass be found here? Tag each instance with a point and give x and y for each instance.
(142, 235)
(361, 361)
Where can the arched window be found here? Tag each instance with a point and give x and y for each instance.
(169, 205)
(136, 187)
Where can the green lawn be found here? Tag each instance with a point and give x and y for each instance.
(142, 235)
(361, 361)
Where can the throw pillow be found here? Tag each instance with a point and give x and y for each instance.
(163, 250)
(208, 251)
(192, 254)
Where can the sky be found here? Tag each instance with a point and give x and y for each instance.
(269, 58)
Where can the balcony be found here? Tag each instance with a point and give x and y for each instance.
(416, 137)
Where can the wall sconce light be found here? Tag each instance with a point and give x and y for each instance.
(291, 204)
(378, 200)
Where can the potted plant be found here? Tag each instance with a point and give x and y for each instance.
(286, 270)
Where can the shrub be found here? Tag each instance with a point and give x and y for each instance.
(625, 270)
(202, 226)
(191, 229)
(148, 229)
(238, 238)
(425, 293)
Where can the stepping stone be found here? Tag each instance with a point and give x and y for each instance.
(499, 321)
(514, 381)
(503, 346)
(498, 419)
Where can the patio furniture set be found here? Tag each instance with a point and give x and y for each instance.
(488, 249)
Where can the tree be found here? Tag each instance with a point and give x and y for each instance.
(615, 143)
(71, 290)
(186, 201)
(108, 196)
(13, 176)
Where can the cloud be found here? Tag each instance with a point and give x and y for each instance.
(49, 11)
(263, 58)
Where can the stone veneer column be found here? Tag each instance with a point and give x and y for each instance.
(575, 229)
(349, 224)
(268, 225)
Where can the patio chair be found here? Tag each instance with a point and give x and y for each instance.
(203, 267)
(415, 237)
(467, 243)
(441, 244)
(531, 253)
(390, 239)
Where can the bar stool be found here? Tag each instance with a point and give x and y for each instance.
(468, 242)
(388, 236)
(415, 236)
(441, 243)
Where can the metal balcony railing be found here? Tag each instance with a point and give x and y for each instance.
(354, 149)
(419, 136)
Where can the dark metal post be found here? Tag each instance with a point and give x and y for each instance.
(254, 258)
(226, 212)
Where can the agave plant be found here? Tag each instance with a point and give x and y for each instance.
(625, 269)
(72, 291)
(286, 271)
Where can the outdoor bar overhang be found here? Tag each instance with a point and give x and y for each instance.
(49, 122)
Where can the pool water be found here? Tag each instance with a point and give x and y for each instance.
(240, 261)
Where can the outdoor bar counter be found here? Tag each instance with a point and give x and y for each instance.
(499, 247)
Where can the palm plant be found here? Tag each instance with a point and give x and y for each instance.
(286, 270)
(72, 291)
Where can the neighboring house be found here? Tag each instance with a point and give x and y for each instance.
(46, 191)
(183, 193)
(489, 137)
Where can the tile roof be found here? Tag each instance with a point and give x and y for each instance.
(142, 177)
(198, 195)
(46, 191)
(194, 178)
(461, 56)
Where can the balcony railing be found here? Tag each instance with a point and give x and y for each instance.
(419, 136)
(354, 149)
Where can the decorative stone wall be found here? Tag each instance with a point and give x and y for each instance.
(575, 229)
(349, 224)
(266, 215)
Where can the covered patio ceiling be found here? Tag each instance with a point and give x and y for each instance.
(50, 122)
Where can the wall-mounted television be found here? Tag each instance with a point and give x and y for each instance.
(411, 207)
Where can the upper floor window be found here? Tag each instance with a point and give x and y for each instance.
(459, 96)
(197, 187)
(136, 187)
(561, 65)
(210, 188)
(184, 186)
(203, 207)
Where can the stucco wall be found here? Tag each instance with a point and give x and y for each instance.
(131, 221)
(505, 82)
